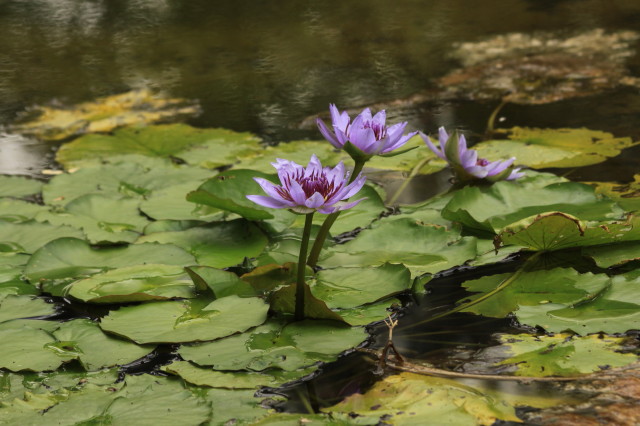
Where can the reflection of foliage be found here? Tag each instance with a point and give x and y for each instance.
(538, 69)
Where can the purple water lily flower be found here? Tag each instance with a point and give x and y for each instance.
(307, 190)
(370, 135)
(465, 162)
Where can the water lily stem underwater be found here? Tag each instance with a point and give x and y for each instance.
(300, 284)
(504, 284)
(323, 233)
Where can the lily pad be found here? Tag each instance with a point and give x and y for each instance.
(233, 379)
(209, 147)
(27, 237)
(73, 258)
(555, 231)
(489, 209)
(138, 283)
(219, 244)
(283, 300)
(297, 151)
(28, 348)
(221, 283)
(97, 350)
(19, 211)
(536, 288)
(421, 248)
(541, 148)
(18, 186)
(170, 204)
(23, 306)
(615, 310)
(562, 354)
(627, 195)
(408, 398)
(186, 320)
(104, 114)
(101, 218)
(126, 176)
(607, 256)
(351, 287)
(274, 345)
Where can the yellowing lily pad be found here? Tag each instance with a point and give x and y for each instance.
(541, 148)
(104, 115)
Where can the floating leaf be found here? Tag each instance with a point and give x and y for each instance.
(138, 283)
(297, 151)
(367, 314)
(408, 398)
(209, 147)
(97, 350)
(541, 148)
(536, 288)
(234, 406)
(613, 255)
(351, 287)
(186, 320)
(19, 211)
(615, 310)
(219, 244)
(29, 236)
(274, 345)
(18, 186)
(72, 258)
(170, 204)
(283, 300)
(627, 195)
(489, 209)
(127, 176)
(555, 231)
(417, 156)
(421, 248)
(29, 348)
(101, 218)
(221, 283)
(232, 379)
(104, 114)
(562, 354)
(23, 306)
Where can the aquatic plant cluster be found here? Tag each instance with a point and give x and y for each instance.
(176, 250)
(314, 188)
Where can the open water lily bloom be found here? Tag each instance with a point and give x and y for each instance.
(370, 135)
(465, 162)
(305, 190)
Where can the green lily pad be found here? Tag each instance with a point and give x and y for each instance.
(541, 148)
(232, 379)
(97, 350)
(408, 398)
(170, 204)
(421, 248)
(562, 354)
(351, 287)
(28, 348)
(228, 190)
(219, 244)
(276, 346)
(615, 310)
(234, 406)
(607, 256)
(101, 218)
(186, 320)
(138, 283)
(18, 211)
(536, 288)
(18, 186)
(23, 306)
(370, 313)
(126, 176)
(74, 258)
(29, 236)
(221, 283)
(210, 147)
(417, 156)
(490, 209)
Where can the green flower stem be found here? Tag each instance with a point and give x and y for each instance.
(302, 264)
(323, 233)
(504, 284)
(492, 118)
(406, 182)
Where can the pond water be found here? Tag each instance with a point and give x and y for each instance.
(268, 67)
